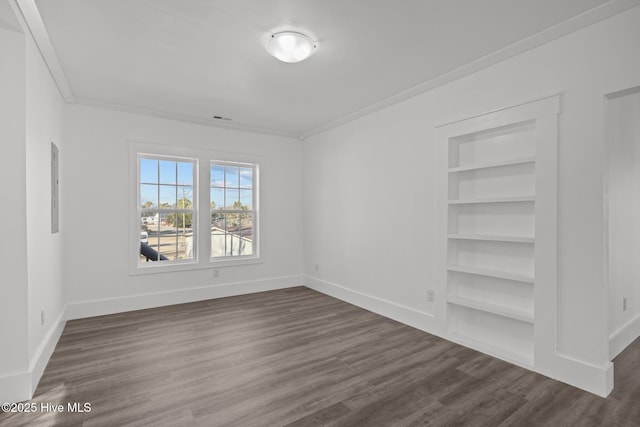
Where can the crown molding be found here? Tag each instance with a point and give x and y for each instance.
(33, 20)
(571, 25)
(36, 26)
(181, 117)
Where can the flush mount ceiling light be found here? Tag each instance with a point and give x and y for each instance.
(291, 46)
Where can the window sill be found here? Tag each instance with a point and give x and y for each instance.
(191, 266)
(226, 262)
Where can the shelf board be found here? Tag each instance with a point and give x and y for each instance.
(493, 200)
(488, 165)
(493, 238)
(521, 315)
(525, 361)
(492, 273)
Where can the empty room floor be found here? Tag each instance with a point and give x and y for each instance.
(297, 357)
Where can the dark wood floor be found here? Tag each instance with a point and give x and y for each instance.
(296, 357)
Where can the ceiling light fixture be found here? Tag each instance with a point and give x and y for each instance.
(290, 46)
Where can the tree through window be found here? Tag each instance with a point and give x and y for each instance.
(233, 209)
(167, 196)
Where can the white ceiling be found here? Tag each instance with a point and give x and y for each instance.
(193, 59)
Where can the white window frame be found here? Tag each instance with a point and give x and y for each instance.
(175, 211)
(253, 211)
(202, 212)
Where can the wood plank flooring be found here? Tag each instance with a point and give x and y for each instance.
(296, 357)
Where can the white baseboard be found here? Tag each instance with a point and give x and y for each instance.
(594, 379)
(15, 387)
(45, 350)
(620, 339)
(21, 386)
(586, 376)
(82, 309)
(403, 314)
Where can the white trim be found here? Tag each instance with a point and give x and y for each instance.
(586, 376)
(34, 22)
(15, 387)
(203, 159)
(569, 26)
(21, 386)
(403, 314)
(620, 339)
(44, 351)
(594, 379)
(220, 124)
(40, 36)
(82, 309)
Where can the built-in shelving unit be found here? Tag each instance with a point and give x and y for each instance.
(499, 191)
(493, 164)
(516, 277)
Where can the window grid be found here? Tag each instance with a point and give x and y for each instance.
(233, 227)
(177, 210)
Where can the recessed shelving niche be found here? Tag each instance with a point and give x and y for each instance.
(498, 221)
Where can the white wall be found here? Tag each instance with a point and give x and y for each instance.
(13, 224)
(368, 206)
(30, 259)
(95, 220)
(44, 250)
(623, 132)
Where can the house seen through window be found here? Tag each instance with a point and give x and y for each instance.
(232, 209)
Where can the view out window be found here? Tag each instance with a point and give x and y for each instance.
(233, 210)
(166, 195)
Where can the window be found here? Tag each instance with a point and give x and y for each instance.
(179, 222)
(232, 209)
(166, 208)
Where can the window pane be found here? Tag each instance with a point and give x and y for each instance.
(149, 243)
(232, 198)
(189, 249)
(246, 177)
(217, 198)
(148, 196)
(167, 172)
(246, 198)
(231, 249)
(218, 246)
(166, 236)
(167, 196)
(168, 242)
(245, 234)
(185, 173)
(231, 175)
(185, 197)
(217, 176)
(148, 171)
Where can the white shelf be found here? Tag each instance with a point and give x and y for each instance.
(493, 238)
(521, 315)
(525, 361)
(492, 273)
(488, 165)
(493, 200)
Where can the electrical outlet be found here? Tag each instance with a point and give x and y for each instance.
(41, 317)
(316, 266)
(431, 295)
(624, 304)
(216, 273)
